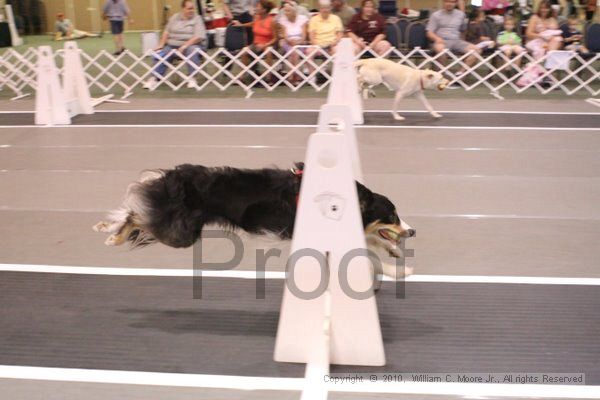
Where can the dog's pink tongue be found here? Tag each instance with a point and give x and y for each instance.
(389, 235)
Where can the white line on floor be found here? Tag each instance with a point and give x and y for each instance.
(484, 128)
(295, 384)
(280, 147)
(257, 110)
(251, 274)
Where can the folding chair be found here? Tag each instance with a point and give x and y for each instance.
(592, 38)
(236, 38)
(402, 25)
(416, 36)
(392, 35)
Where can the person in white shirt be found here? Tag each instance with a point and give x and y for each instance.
(293, 32)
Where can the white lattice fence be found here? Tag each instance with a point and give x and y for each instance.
(223, 69)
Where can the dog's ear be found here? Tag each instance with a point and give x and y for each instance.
(429, 74)
(365, 197)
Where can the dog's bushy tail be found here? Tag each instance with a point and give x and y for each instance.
(139, 207)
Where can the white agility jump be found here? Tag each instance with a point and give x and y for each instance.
(56, 103)
(224, 70)
(324, 329)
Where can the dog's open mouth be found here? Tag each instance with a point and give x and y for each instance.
(389, 235)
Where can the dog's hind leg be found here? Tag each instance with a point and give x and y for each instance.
(116, 219)
(117, 239)
(421, 96)
(397, 99)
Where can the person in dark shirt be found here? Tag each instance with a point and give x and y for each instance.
(475, 32)
(572, 36)
(367, 29)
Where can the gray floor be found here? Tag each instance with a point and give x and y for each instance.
(154, 324)
(290, 117)
(494, 201)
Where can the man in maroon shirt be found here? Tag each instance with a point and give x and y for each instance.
(367, 29)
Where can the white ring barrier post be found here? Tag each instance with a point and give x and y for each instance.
(328, 317)
(50, 105)
(343, 88)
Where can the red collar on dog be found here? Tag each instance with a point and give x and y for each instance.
(421, 80)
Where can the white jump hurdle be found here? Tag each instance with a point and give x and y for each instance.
(50, 104)
(328, 313)
(73, 98)
(344, 86)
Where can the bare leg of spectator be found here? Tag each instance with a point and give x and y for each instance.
(555, 43)
(518, 53)
(382, 47)
(293, 58)
(269, 59)
(470, 60)
(439, 48)
(245, 56)
(118, 38)
(312, 52)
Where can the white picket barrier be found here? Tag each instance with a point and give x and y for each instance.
(225, 70)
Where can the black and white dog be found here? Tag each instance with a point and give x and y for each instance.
(172, 206)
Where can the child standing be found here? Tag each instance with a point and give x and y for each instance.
(509, 41)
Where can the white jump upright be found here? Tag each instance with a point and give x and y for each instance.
(50, 104)
(334, 117)
(77, 92)
(343, 88)
(72, 98)
(338, 324)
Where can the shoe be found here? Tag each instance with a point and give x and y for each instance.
(192, 84)
(151, 83)
(118, 52)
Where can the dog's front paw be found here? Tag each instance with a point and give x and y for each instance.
(399, 117)
(436, 115)
(101, 226)
(396, 272)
